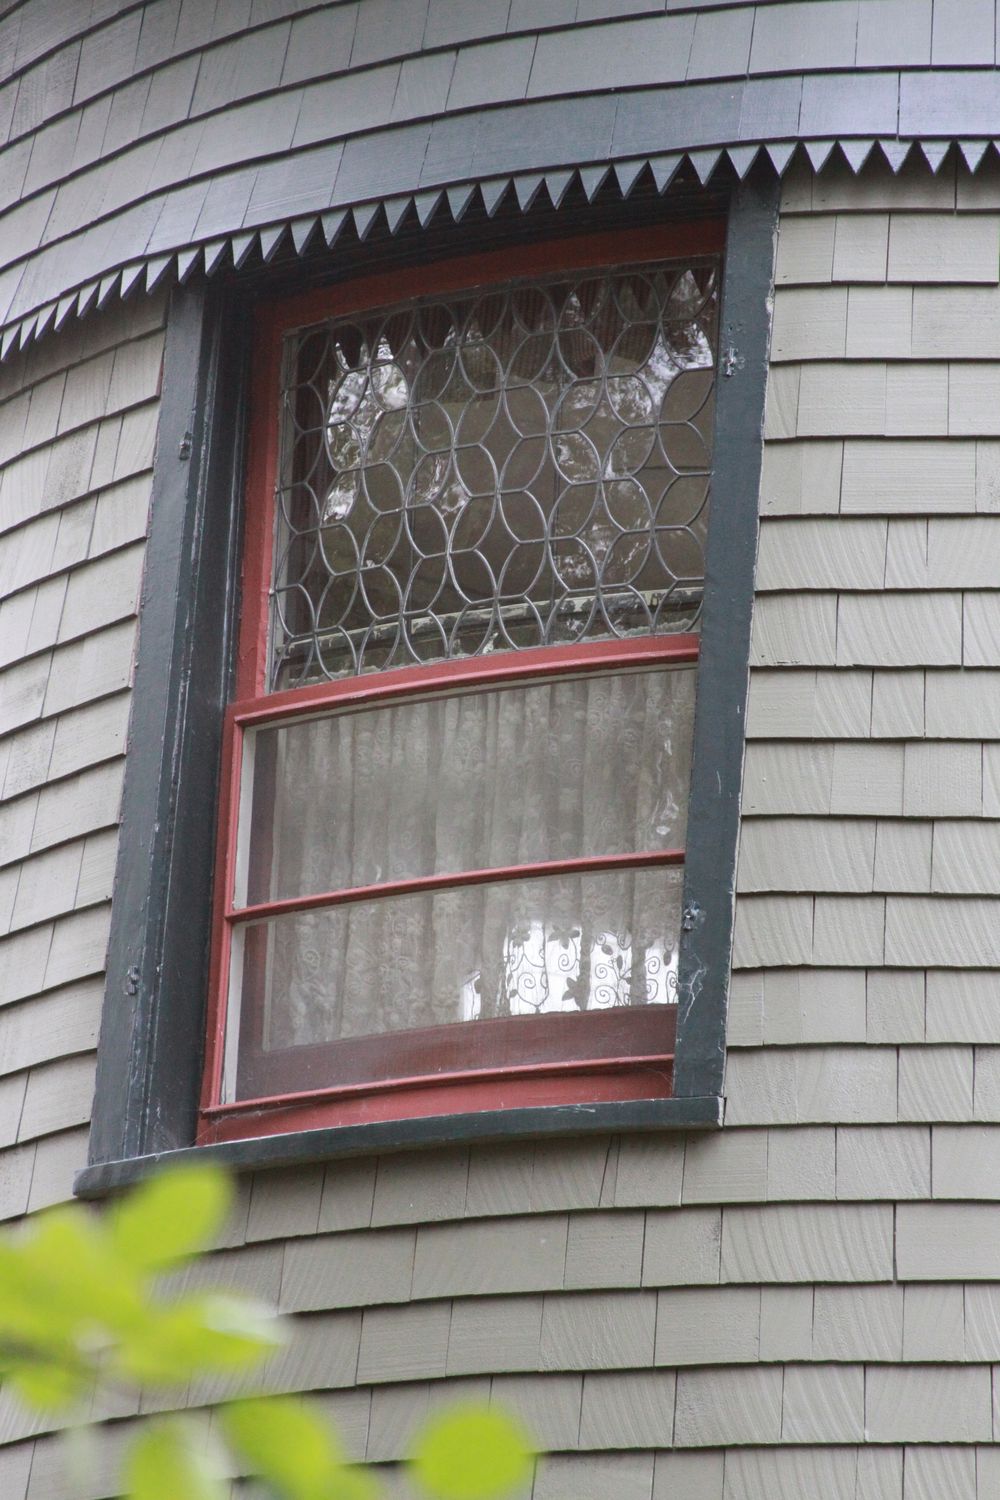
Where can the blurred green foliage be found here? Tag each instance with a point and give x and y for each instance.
(82, 1307)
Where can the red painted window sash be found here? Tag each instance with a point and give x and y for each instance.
(651, 1079)
(255, 707)
(505, 668)
(497, 1048)
(375, 690)
(419, 885)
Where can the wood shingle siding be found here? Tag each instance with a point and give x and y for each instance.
(77, 416)
(807, 1302)
(134, 132)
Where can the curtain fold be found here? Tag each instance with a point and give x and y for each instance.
(488, 779)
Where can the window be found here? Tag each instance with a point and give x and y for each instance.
(454, 836)
(240, 704)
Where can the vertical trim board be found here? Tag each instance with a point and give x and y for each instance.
(720, 717)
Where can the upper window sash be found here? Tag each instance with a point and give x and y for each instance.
(503, 469)
(268, 460)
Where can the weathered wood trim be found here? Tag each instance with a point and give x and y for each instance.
(482, 1128)
(724, 671)
(152, 1024)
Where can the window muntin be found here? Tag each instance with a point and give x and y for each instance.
(522, 951)
(561, 768)
(617, 1053)
(501, 469)
(355, 913)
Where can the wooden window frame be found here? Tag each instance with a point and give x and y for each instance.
(153, 1027)
(587, 1060)
(622, 1054)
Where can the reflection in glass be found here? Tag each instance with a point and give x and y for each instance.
(495, 471)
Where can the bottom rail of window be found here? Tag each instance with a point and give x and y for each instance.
(594, 1082)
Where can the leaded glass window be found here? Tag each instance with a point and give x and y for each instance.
(458, 794)
(498, 470)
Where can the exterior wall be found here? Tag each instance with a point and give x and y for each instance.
(187, 133)
(807, 1302)
(77, 426)
(77, 422)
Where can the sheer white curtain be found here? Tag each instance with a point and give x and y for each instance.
(475, 780)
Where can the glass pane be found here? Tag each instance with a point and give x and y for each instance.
(560, 945)
(477, 780)
(495, 471)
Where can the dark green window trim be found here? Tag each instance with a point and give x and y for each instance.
(149, 1059)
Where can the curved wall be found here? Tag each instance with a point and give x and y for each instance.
(808, 1301)
(149, 139)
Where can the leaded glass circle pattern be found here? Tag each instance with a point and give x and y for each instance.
(497, 470)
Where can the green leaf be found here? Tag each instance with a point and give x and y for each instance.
(51, 1387)
(168, 1461)
(171, 1217)
(353, 1482)
(202, 1334)
(283, 1441)
(62, 1288)
(471, 1453)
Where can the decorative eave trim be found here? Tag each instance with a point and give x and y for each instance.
(300, 234)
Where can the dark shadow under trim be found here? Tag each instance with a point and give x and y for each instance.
(482, 1128)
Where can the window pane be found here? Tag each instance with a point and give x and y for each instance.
(560, 945)
(496, 470)
(477, 780)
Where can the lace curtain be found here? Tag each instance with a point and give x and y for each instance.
(478, 780)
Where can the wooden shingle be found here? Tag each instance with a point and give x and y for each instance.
(698, 1475)
(896, 1005)
(801, 1163)
(598, 1330)
(593, 1476)
(879, 323)
(940, 248)
(58, 1096)
(285, 1203)
(628, 1410)
(720, 1325)
(928, 1403)
(604, 1250)
(417, 1190)
(471, 1259)
(548, 1405)
(816, 1242)
(813, 1005)
(728, 1406)
(823, 1404)
(490, 1334)
(858, 1323)
(350, 1270)
(883, 1163)
(805, 249)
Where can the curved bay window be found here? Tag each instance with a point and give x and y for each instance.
(452, 846)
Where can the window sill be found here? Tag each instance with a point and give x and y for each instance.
(481, 1128)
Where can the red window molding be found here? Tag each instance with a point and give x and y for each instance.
(258, 1086)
